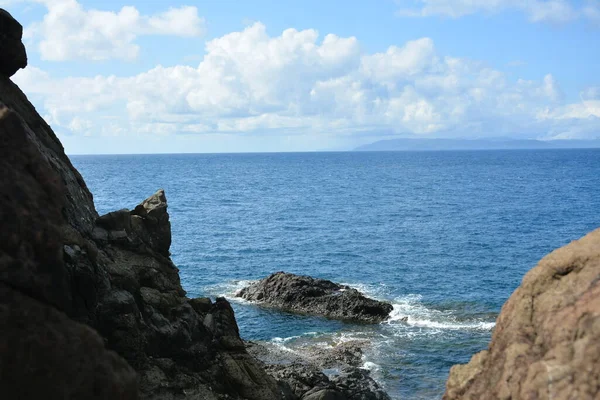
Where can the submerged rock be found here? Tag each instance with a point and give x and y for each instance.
(546, 344)
(307, 295)
(301, 374)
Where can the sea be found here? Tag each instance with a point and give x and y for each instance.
(446, 237)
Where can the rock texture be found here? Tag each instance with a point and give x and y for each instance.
(62, 266)
(91, 306)
(42, 347)
(12, 51)
(301, 376)
(307, 295)
(546, 344)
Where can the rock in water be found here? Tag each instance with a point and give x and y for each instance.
(307, 295)
(12, 51)
(300, 373)
(546, 344)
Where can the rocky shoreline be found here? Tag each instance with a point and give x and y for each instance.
(307, 295)
(319, 373)
(92, 306)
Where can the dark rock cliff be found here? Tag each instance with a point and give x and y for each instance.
(546, 344)
(83, 298)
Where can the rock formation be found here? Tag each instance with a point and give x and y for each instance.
(84, 298)
(300, 374)
(307, 295)
(91, 307)
(546, 344)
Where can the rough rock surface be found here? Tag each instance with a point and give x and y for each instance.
(84, 298)
(92, 306)
(58, 270)
(301, 375)
(41, 348)
(12, 51)
(45, 355)
(307, 295)
(546, 344)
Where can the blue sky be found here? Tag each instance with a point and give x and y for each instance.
(229, 76)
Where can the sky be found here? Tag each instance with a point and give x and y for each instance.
(128, 76)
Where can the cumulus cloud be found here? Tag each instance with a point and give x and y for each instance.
(68, 31)
(552, 11)
(297, 82)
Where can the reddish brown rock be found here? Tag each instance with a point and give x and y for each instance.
(546, 344)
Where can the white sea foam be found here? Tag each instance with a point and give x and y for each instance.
(230, 290)
(374, 291)
(371, 366)
(409, 310)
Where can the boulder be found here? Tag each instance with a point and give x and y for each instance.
(546, 344)
(12, 51)
(303, 294)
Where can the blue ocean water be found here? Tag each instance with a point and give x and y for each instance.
(445, 236)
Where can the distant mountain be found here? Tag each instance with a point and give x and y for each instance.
(474, 144)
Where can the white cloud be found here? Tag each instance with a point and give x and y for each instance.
(297, 84)
(587, 109)
(552, 11)
(400, 63)
(68, 31)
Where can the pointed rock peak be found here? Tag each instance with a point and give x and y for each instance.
(157, 200)
(153, 212)
(155, 205)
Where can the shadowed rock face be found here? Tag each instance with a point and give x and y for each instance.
(546, 344)
(84, 298)
(307, 295)
(64, 271)
(42, 350)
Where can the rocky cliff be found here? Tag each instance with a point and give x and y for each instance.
(84, 298)
(91, 307)
(546, 344)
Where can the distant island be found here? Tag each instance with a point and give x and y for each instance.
(408, 144)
